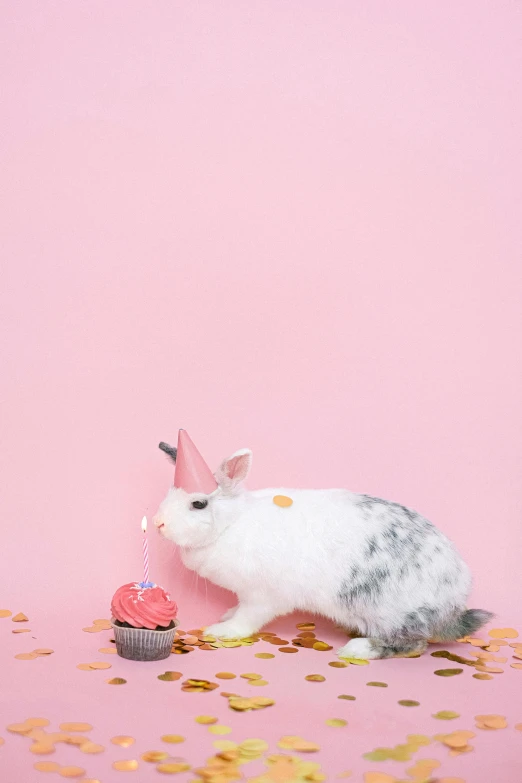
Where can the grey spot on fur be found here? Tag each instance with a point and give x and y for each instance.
(386, 649)
(373, 547)
(170, 451)
(368, 588)
(462, 624)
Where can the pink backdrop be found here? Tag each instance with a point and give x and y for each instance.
(290, 226)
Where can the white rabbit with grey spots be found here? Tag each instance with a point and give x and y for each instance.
(370, 565)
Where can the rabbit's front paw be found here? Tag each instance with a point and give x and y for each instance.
(228, 630)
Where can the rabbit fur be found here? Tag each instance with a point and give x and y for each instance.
(368, 564)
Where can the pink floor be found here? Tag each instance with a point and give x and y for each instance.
(146, 708)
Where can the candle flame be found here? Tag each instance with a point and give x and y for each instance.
(144, 524)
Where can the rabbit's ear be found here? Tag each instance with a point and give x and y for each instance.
(234, 470)
(170, 451)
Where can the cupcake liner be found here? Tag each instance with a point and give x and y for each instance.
(141, 644)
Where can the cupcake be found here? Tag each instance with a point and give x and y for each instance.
(144, 621)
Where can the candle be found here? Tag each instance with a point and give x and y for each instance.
(145, 553)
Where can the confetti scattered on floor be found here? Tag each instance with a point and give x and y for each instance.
(186, 729)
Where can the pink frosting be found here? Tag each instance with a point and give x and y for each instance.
(143, 607)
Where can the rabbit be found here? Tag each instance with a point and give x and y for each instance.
(368, 564)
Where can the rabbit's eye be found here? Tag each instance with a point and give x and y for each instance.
(200, 504)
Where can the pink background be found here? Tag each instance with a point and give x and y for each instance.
(293, 226)
(289, 226)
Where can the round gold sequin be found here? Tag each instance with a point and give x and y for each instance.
(173, 739)
(71, 772)
(125, 766)
(408, 703)
(345, 696)
(309, 626)
(482, 676)
(282, 501)
(206, 720)
(491, 722)
(172, 768)
(376, 684)
(154, 756)
(447, 672)
(37, 722)
(19, 728)
(117, 681)
(46, 766)
(26, 656)
(263, 655)
(170, 676)
(42, 748)
(503, 633)
(338, 664)
(75, 726)
(100, 665)
(445, 715)
(315, 678)
(108, 650)
(258, 682)
(43, 651)
(225, 676)
(5, 613)
(251, 676)
(518, 726)
(219, 729)
(123, 740)
(84, 667)
(322, 646)
(337, 722)
(288, 649)
(91, 747)
(22, 618)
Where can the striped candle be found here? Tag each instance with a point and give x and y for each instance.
(145, 551)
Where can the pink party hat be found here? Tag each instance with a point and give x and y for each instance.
(192, 472)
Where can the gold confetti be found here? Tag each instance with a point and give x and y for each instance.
(338, 664)
(37, 722)
(356, 661)
(482, 676)
(173, 739)
(251, 676)
(345, 696)
(75, 726)
(298, 743)
(491, 722)
(26, 656)
(376, 684)
(46, 766)
(447, 672)
(516, 665)
(42, 748)
(315, 678)
(288, 649)
(5, 613)
(123, 740)
(408, 703)
(71, 772)
(84, 667)
(219, 729)
(170, 676)
(21, 630)
(206, 720)
(154, 756)
(22, 618)
(125, 766)
(503, 633)
(117, 681)
(100, 665)
(322, 646)
(445, 715)
(19, 728)
(108, 650)
(282, 501)
(198, 686)
(338, 722)
(172, 768)
(263, 655)
(91, 747)
(379, 777)
(518, 726)
(306, 626)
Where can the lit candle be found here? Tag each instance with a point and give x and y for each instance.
(145, 553)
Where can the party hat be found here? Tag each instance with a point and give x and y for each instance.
(192, 472)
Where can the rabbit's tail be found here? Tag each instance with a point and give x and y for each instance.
(463, 624)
